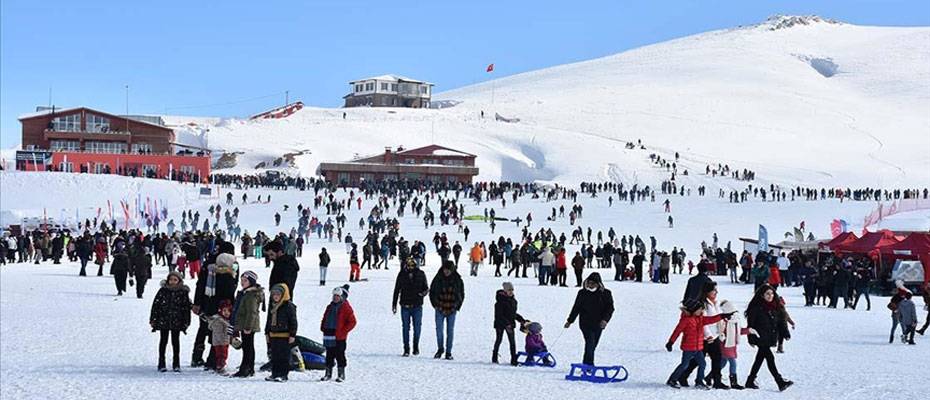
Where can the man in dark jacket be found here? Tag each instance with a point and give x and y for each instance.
(119, 269)
(285, 266)
(409, 289)
(207, 304)
(140, 267)
(505, 317)
(594, 305)
(696, 283)
(578, 266)
(446, 294)
(638, 260)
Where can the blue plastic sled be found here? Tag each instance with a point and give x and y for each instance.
(313, 361)
(541, 359)
(591, 373)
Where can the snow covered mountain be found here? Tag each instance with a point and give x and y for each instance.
(773, 97)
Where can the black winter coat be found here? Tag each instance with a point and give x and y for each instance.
(695, 285)
(284, 271)
(409, 288)
(592, 307)
(766, 323)
(120, 264)
(286, 321)
(505, 311)
(171, 308)
(225, 289)
(141, 266)
(447, 293)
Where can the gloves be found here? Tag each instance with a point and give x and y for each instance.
(668, 346)
(726, 316)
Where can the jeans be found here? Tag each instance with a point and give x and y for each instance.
(543, 274)
(733, 277)
(450, 331)
(894, 327)
(688, 357)
(591, 337)
(860, 292)
(410, 315)
(498, 338)
(323, 275)
(474, 269)
(731, 362)
(712, 350)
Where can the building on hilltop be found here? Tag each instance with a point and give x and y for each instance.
(389, 91)
(89, 141)
(432, 163)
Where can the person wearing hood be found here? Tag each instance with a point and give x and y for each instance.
(594, 306)
(140, 267)
(119, 269)
(280, 331)
(729, 341)
(215, 284)
(446, 294)
(246, 320)
(170, 315)
(762, 315)
(697, 283)
(285, 266)
(505, 318)
(410, 288)
(338, 320)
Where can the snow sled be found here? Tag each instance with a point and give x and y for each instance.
(591, 373)
(314, 361)
(541, 359)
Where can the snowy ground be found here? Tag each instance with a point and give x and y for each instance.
(62, 336)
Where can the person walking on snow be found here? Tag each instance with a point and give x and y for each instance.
(446, 294)
(594, 305)
(338, 321)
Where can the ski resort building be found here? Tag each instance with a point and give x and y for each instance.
(90, 141)
(389, 91)
(433, 163)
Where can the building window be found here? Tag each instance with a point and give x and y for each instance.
(358, 88)
(410, 161)
(453, 162)
(384, 86)
(424, 90)
(100, 168)
(65, 145)
(65, 167)
(368, 177)
(105, 147)
(98, 124)
(141, 148)
(370, 86)
(67, 123)
(393, 87)
(187, 169)
(342, 178)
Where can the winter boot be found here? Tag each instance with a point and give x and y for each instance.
(438, 354)
(449, 356)
(734, 383)
(342, 374)
(406, 351)
(784, 384)
(751, 383)
(921, 331)
(196, 362)
(494, 359)
(416, 349)
(683, 382)
(327, 375)
(672, 384)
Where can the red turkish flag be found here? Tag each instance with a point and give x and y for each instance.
(490, 67)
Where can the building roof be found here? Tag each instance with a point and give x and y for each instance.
(391, 78)
(435, 150)
(46, 113)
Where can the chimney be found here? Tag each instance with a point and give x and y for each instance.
(387, 155)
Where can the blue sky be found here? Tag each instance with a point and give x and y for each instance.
(235, 58)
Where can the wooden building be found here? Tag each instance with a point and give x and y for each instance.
(433, 163)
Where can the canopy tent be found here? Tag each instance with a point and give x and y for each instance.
(914, 246)
(841, 239)
(867, 243)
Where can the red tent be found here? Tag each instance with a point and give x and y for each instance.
(914, 246)
(867, 243)
(843, 238)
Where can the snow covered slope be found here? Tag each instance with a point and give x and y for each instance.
(774, 97)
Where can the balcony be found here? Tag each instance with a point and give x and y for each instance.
(122, 136)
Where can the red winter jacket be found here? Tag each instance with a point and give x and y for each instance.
(560, 261)
(692, 329)
(346, 320)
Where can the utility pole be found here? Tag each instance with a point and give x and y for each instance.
(127, 109)
(286, 97)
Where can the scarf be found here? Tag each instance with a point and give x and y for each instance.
(285, 297)
(330, 322)
(210, 289)
(732, 332)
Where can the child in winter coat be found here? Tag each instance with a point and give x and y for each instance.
(729, 341)
(908, 316)
(220, 332)
(170, 315)
(280, 331)
(535, 343)
(691, 328)
(338, 321)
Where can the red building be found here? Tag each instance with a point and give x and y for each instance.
(89, 141)
(432, 163)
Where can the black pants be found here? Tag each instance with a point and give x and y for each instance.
(175, 347)
(120, 278)
(248, 354)
(711, 349)
(83, 266)
(497, 270)
(926, 322)
(203, 334)
(336, 355)
(860, 292)
(515, 269)
(591, 337)
(764, 354)
(140, 287)
(578, 272)
(562, 275)
(663, 275)
(639, 273)
(618, 275)
(281, 356)
(810, 293)
(499, 336)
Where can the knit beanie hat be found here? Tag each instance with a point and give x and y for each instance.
(507, 286)
(251, 276)
(534, 327)
(692, 305)
(225, 260)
